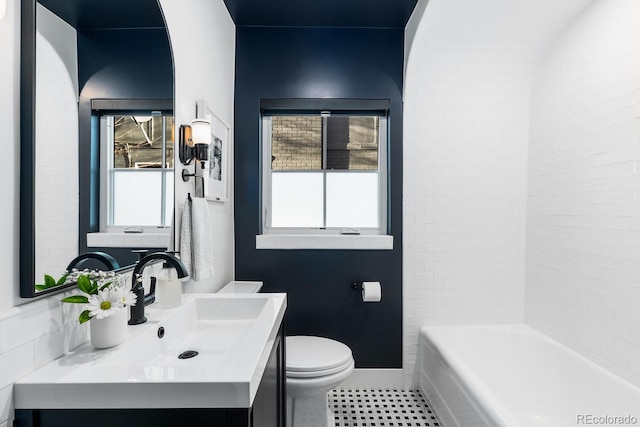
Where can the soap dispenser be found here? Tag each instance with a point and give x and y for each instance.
(168, 288)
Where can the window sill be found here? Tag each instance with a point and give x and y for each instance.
(305, 241)
(128, 240)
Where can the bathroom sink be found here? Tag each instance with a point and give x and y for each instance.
(224, 342)
(212, 327)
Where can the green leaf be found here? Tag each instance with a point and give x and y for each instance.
(62, 280)
(41, 287)
(84, 317)
(106, 285)
(49, 281)
(84, 284)
(94, 288)
(76, 299)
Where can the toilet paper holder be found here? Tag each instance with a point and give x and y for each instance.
(371, 291)
(358, 286)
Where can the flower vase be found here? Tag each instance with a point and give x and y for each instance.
(109, 331)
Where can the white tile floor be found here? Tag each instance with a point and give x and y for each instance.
(381, 408)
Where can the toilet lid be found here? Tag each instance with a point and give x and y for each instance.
(313, 354)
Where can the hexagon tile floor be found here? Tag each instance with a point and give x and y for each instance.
(381, 408)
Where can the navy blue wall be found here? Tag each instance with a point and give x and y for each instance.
(321, 63)
(121, 64)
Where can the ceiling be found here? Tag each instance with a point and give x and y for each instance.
(321, 13)
(100, 14)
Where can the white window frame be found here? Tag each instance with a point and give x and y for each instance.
(339, 238)
(107, 172)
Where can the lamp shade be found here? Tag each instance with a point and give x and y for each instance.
(3, 9)
(201, 131)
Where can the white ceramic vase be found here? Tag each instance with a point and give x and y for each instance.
(109, 331)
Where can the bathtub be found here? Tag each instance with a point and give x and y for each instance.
(514, 376)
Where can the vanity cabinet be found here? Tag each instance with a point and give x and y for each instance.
(268, 409)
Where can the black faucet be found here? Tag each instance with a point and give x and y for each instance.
(103, 257)
(137, 311)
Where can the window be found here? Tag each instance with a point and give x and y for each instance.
(136, 170)
(324, 172)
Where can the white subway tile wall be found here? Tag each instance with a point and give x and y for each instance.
(583, 228)
(466, 132)
(30, 336)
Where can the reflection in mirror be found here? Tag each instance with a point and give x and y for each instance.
(56, 157)
(73, 53)
(107, 260)
(137, 152)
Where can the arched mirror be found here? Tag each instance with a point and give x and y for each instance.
(96, 110)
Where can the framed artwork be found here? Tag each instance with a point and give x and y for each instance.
(216, 174)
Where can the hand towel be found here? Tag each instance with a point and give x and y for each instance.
(172, 235)
(196, 240)
(185, 236)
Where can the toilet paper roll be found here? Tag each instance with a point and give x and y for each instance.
(371, 292)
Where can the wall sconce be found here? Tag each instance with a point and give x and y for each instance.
(194, 143)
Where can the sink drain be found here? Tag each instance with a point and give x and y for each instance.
(188, 354)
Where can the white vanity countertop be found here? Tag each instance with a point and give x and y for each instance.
(234, 343)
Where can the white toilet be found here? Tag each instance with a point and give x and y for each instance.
(314, 366)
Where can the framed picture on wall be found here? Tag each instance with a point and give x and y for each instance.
(216, 172)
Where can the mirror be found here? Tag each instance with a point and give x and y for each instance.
(81, 59)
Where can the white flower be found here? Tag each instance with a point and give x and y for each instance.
(126, 297)
(106, 303)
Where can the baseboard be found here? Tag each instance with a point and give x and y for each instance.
(375, 379)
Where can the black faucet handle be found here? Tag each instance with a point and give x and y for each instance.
(137, 311)
(150, 298)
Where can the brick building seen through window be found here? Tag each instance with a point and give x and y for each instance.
(351, 143)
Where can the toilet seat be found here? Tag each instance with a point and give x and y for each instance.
(319, 373)
(316, 384)
(314, 357)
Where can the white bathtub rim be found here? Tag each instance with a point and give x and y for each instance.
(437, 403)
(470, 384)
(446, 415)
